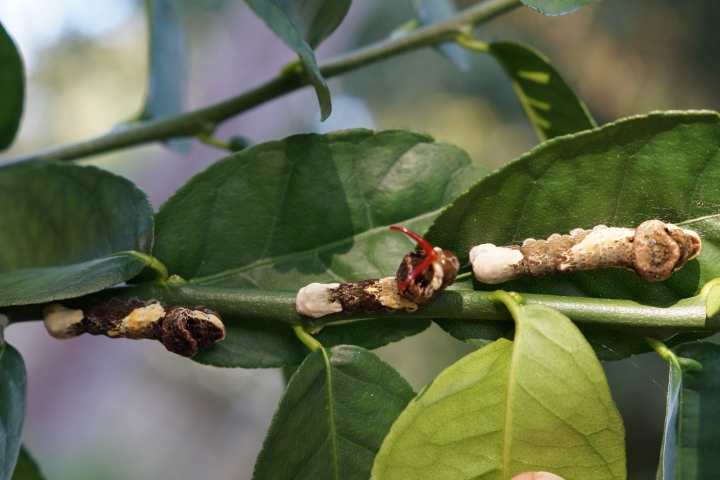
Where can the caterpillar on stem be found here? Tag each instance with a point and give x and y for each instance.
(654, 250)
(422, 275)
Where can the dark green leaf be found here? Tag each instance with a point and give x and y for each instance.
(12, 89)
(540, 403)
(698, 440)
(26, 468)
(661, 165)
(551, 106)
(278, 21)
(60, 228)
(167, 76)
(13, 397)
(333, 416)
(434, 11)
(317, 211)
(668, 452)
(315, 19)
(557, 7)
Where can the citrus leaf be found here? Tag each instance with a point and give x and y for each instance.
(13, 397)
(62, 229)
(12, 88)
(557, 7)
(26, 467)
(550, 104)
(540, 403)
(309, 208)
(275, 18)
(315, 20)
(340, 405)
(668, 451)
(698, 417)
(167, 76)
(661, 165)
(434, 11)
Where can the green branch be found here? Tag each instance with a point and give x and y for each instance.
(197, 121)
(234, 305)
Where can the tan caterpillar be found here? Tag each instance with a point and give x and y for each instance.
(653, 250)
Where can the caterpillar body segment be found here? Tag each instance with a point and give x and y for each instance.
(654, 250)
(422, 275)
(182, 330)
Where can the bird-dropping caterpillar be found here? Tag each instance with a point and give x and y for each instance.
(183, 330)
(653, 250)
(422, 275)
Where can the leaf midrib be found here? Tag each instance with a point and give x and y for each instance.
(331, 413)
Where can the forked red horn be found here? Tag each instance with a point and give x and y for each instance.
(431, 257)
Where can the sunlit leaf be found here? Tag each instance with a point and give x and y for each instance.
(540, 403)
(317, 211)
(62, 228)
(557, 7)
(333, 416)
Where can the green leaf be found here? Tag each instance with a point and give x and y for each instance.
(167, 76)
(12, 89)
(697, 441)
(275, 18)
(557, 7)
(434, 11)
(26, 467)
(63, 229)
(550, 104)
(540, 403)
(661, 165)
(668, 452)
(13, 397)
(333, 416)
(315, 20)
(318, 210)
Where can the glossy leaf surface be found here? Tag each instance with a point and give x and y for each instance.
(26, 467)
(13, 398)
(699, 414)
(315, 19)
(60, 228)
(12, 89)
(550, 104)
(557, 7)
(668, 452)
(277, 19)
(434, 11)
(168, 66)
(333, 416)
(317, 211)
(540, 403)
(662, 165)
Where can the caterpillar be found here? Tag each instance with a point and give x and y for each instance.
(654, 250)
(422, 275)
(182, 330)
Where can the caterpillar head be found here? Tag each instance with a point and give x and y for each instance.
(423, 274)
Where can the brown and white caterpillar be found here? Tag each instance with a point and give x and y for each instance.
(183, 330)
(422, 275)
(653, 250)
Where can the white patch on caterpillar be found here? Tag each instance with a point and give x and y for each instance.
(438, 273)
(208, 317)
(493, 264)
(692, 234)
(138, 320)
(601, 244)
(386, 291)
(59, 319)
(314, 300)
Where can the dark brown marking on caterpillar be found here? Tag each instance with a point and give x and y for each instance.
(654, 250)
(183, 330)
(422, 275)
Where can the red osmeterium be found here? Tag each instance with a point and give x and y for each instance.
(432, 255)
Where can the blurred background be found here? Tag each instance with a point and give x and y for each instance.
(117, 409)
